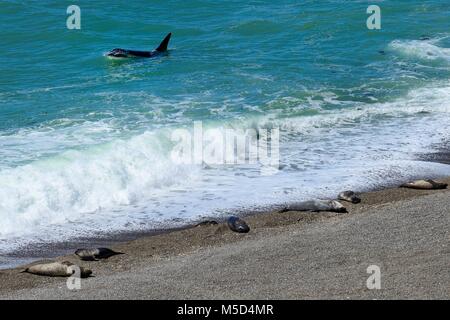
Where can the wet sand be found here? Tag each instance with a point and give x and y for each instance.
(288, 255)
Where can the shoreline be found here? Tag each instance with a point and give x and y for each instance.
(36, 251)
(53, 250)
(156, 250)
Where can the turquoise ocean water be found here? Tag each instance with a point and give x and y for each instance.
(85, 141)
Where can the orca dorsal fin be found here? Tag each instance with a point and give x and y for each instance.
(163, 46)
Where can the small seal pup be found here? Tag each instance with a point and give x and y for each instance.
(95, 254)
(424, 185)
(56, 269)
(349, 196)
(316, 206)
(237, 225)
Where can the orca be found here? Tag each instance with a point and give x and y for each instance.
(125, 53)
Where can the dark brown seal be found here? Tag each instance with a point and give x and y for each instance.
(95, 254)
(238, 225)
(349, 196)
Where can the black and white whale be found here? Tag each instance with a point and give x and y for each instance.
(126, 53)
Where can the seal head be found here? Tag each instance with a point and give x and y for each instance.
(349, 196)
(238, 225)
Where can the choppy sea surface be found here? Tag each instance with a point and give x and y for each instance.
(86, 142)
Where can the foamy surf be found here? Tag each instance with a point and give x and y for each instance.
(423, 50)
(132, 184)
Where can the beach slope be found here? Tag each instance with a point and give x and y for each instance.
(285, 256)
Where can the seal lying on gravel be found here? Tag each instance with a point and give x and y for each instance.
(57, 269)
(237, 225)
(95, 254)
(349, 196)
(316, 206)
(207, 223)
(424, 185)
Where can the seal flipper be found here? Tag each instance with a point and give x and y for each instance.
(163, 46)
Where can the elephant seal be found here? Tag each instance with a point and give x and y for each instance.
(316, 206)
(349, 196)
(95, 254)
(56, 269)
(237, 225)
(207, 223)
(424, 185)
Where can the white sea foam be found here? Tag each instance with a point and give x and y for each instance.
(129, 183)
(64, 188)
(428, 50)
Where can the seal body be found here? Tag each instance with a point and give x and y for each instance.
(349, 196)
(238, 225)
(207, 223)
(95, 254)
(316, 206)
(424, 185)
(56, 269)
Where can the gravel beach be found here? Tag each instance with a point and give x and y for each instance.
(288, 255)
